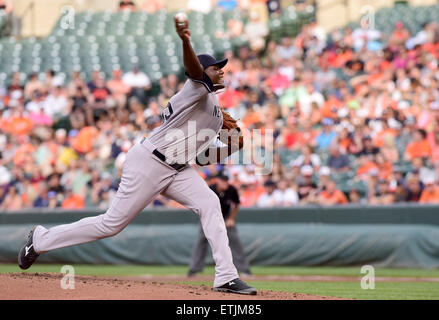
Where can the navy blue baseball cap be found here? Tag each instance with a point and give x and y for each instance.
(207, 61)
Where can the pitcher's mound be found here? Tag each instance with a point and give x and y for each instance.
(47, 286)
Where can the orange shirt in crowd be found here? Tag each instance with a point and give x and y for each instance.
(366, 168)
(306, 137)
(4, 124)
(336, 197)
(342, 58)
(73, 202)
(20, 125)
(23, 152)
(385, 170)
(418, 149)
(380, 137)
(330, 108)
(84, 140)
(432, 48)
(345, 143)
(251, 118)
(414, 110)
(26, 199)
(435, 153)
(430, 197)
(374, 77)
(250, 196)
(384, 64)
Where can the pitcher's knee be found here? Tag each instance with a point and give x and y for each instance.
(111, 231)
(208, 203)
(110, 228)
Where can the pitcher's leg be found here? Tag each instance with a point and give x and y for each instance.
(189, 189)
(137, 188)
(198, 256)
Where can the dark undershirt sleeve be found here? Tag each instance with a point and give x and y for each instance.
(208, 84)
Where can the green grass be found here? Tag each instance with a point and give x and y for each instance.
(352, 290)
(345, 271)
(94, 270)
(383, 290)
(209, 270)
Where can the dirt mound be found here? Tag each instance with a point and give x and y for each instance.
(47, 286)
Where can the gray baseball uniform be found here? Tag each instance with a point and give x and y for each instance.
(151, 168)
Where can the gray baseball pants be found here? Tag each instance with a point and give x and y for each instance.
(144, 176)
(199, 251)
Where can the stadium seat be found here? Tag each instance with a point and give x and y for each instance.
(145, 30)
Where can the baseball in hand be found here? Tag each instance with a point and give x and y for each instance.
(181, 18)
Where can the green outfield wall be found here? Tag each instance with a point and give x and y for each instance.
(405, 236)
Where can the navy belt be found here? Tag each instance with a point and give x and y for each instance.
(161, 156)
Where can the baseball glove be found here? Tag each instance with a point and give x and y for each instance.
(228, 122)
(231, 134)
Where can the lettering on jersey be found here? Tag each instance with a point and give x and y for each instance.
(167, 112)
(216, 111)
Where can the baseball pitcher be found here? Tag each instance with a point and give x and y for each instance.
(160, 164)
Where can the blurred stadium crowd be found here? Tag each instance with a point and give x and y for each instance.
(354, 113)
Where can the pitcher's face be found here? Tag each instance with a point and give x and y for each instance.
(216, 74)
